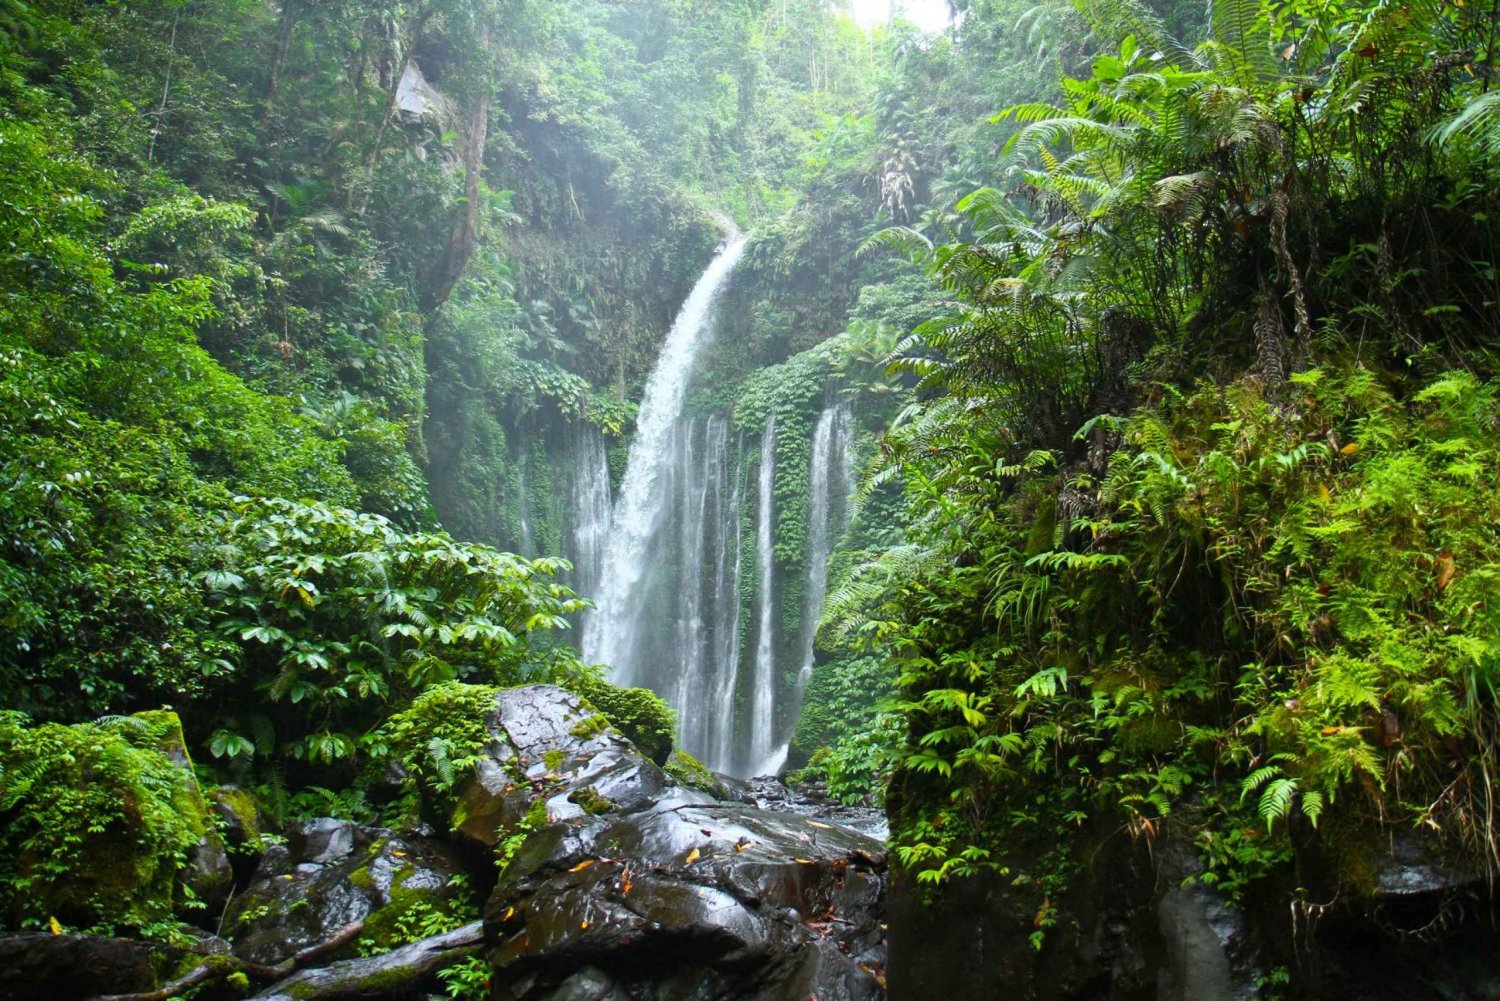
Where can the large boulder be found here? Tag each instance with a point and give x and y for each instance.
(43, 967)
(104, 824)
(332, 873)
(550, 751)
(618, 882)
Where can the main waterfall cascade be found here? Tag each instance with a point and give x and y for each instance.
(610, 634)
(681, 608)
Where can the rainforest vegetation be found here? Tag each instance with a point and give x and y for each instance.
(1165, 334)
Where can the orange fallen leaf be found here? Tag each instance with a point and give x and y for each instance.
(1445, 570)
(742, 847)
(582, 865)
(510, 912)
(56, 928)
(1350, 449)
(694, 856)
(1329, 731)
(584, 926)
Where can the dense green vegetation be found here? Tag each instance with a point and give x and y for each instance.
(288, 294)
(1168, 334)
(1199, 482)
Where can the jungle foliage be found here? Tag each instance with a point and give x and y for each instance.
(1199, 477)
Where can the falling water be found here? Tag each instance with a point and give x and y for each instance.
(763, 716)
(589, 507)
(827, 496)
(706, 658)
(528, 547)
(830, 481)
(665, 561)
(727, 611)
(624, 591)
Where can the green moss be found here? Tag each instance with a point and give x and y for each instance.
(693, 773)
(361, 878)
(638, 713)
(553, 759)
(242, 807)
(590, 726)
(97, 823)
(415, 913)
(591, 801)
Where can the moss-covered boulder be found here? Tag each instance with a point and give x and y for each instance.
(331, 873)
(638, 713)
(240, 821)
(207, 875)
(694, 774)
(99, 822)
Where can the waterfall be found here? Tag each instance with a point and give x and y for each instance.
(727, 612)
(666, 561)
(763, 714)
(626, 587)
(589, 507)
(706, 658)
(528, 547)
(830, 481)
(829, 485)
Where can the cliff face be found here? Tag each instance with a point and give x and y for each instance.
(1136, 925)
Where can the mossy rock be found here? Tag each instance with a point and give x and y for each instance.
(694, 774)
(240, 819)
(591, 800)
(102, 820)
(638, 713)
(331, 872)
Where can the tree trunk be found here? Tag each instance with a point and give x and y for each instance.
(289, 11)
(465, 233)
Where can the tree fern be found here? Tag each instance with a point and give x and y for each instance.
(1241, 41)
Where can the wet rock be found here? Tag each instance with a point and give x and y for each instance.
(770, 792)
(659, 890)
(239, 820)
(55, 967)
(331, 873)
(548, 745)
(1206, 943)
(1415, 866)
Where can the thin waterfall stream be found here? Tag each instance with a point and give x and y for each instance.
(763, 716)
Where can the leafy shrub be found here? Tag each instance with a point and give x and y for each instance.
(1276, 614)
(341, 613)
(441, 735)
